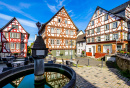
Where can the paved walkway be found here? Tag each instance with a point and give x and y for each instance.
(96, 77)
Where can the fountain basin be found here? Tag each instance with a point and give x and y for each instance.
(7, 76)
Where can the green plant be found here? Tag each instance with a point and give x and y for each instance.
(128, 53)
(61, 54)
(122, 52)
(49, 53)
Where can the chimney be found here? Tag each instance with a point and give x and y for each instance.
(35, 36)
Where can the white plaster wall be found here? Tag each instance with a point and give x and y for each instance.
(80, 47)
(90, 46)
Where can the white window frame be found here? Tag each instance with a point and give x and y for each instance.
(66, 42)
(70, 52)
(57, 52)
(88, 32)
(93, 40)
(107, 37)
(52, 41)
(66, 32)
(78, 50)
(71, 32)
(7, 46)
(98, 29)
(6, 35)
(17, 45)
(66, 52)
(58, 31)
(114, 24)
(98, 39)
(100, 11)
(81, 44)
(107, 27)
(92, 22)
(58, 42)
(125, 36)
(92, 31)
(105, 17)
(12, 45)
(22, 46)
(22, 36)
(52, 30)
(65, 21)
(126, 24)
(59, 20)
(88, 40)
(115, 36)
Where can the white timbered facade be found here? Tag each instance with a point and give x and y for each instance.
(58, 33)
(108, 29)
(14, 39)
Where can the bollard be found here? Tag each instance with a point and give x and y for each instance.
(88, 62)
(102, 63)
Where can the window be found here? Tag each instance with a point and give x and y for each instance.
(119, 47)
(71, 52)
(81, 44)
(58, 42)
(114, 25)
(98, 29)
(22, 36)
(52, 41)
(58, 31)
(106, 17)
(71, 33)
(12, 35)
(66, 52)
(98, 39)
(22, 46)
(59, 20)
(92, 39)
(66, 31)
(6, 35)
(17, 45)
(125, 36)
(100, 11)
(95, 14)
(99, 48)
(66, 42)
(17, 35)
(89, 49)
(65, 21)
(92, 31)
(15, 26)
(12, 45)
(78, 50)
(88, 40)
(127, 14)
(107, 27)
(107, 37)
(52, 30)
(78, 44)
(126, 24)
(88, 32)
(92, 23)
(7, 46)
(115, 36)
(57, 52)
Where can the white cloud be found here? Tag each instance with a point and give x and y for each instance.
(61, 2)
(52, 8)
(22, 21)
(25, 5)
(12, 8)
(72, 15)
(69, 11)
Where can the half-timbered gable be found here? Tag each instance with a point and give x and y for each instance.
(14, 38)
(107, 27)
(59, 31)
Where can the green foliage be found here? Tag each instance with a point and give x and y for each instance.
(128, 53)
(61, 54)
(15, 53)
(49, 53)
(29, 49)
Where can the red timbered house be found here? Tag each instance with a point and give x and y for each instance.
(108, 31)
(14, 39)
(58, 32)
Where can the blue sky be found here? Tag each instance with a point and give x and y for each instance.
(28, 12)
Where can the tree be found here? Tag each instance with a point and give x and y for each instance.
(29, 49)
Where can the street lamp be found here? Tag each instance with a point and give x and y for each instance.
(39, 52)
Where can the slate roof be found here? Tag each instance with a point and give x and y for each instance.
(81, 38)
(43, 25)
(120, 7)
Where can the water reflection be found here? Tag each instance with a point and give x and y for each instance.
(53, 79)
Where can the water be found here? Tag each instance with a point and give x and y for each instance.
(53, 79)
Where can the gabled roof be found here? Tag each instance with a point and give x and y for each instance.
(107, 13)
(11, 28)
(120, 7)
(79, 32)
(81, 38)
(43, 25)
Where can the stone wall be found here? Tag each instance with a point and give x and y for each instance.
(123, 62)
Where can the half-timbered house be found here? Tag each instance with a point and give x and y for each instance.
(14, 39)
(58, 33)
(108, 31)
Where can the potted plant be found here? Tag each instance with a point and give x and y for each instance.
(61, 54)
(83, 52)
(49, 54)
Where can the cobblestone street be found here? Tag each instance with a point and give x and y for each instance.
(96, 77)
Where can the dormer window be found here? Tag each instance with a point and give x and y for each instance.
(59, 20)
(92, 22)
(15, 26)
(100, 11)
(106, 17)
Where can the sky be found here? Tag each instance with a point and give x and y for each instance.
(28, 12)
